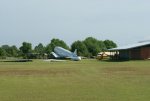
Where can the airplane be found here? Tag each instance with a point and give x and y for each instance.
(60, 52)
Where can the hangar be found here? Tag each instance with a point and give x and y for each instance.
(137, 51)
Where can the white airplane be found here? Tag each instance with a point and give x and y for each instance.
(60, 52)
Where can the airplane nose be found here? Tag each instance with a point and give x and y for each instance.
(79, 58)
(76, 58)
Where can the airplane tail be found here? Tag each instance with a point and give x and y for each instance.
(75, 52)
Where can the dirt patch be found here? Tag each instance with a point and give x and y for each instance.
(61, 72)
(127, 71)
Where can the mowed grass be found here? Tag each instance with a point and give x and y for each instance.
(86, 80)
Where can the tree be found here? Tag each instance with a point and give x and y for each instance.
(110, 44)
(48, 49)
(101, 45)
(39, 48)
(14, 51)
(10, 51)
(92, 45)
(39, 51)
(6, 48)
(2, 52)
(81, 48)
(55, 42)
(58, 42)
(25, 49)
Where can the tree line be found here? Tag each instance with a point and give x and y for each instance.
(87, 48)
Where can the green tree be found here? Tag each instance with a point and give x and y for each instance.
(110, 44)
(6, 48)
(58, 42)
(2, 52)
(39, 51)
(10, 51)
(14, 51)
(48, 49)
(81, 48)
(55, 42)
(39, 48)
(92, 45)
(101, 45)
(25, 49)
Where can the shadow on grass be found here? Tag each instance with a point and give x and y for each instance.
(110, 60)
(19, 60)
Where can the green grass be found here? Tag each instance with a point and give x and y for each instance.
(87, 80)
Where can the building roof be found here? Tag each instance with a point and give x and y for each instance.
(131, 46)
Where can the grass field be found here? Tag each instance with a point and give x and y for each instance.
(87, 80)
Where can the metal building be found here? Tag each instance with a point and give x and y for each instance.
(136, 51)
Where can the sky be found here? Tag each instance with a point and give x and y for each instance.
(38, 21)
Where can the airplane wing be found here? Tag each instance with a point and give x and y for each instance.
(55, 55)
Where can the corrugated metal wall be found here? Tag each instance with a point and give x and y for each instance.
(124, 54)
(145, 52)
(135, 53)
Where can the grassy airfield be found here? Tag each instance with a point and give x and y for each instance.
(86, 80)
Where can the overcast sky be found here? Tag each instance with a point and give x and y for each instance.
(35, 21)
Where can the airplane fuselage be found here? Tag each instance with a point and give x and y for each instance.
(63, 53)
